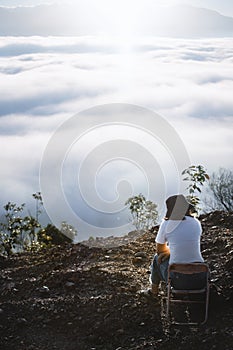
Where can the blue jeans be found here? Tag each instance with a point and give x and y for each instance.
(179, 281)
(158, 271)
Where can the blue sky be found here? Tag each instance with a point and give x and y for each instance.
(45, 81)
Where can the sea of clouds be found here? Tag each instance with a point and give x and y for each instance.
(45, 81)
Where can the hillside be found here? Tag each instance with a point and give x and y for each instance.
(79, 297)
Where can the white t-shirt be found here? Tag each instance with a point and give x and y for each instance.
(183, 238)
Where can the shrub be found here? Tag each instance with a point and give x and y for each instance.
(144, 212)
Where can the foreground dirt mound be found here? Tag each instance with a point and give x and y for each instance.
(77, 297)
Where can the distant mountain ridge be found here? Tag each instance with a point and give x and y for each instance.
(61, 20)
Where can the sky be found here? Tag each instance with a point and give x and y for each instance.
(47, 82)
(224, 7)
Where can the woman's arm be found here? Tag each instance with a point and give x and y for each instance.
(163, 252)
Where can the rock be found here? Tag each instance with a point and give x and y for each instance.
(120, 331)
(142, 255)
(69, 284)
(44, 290)
(9, 285)
(137, 260)
(22, 321)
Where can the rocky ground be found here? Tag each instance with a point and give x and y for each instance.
(78, 297)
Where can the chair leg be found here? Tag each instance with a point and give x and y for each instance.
(168, 300)
(206, 304)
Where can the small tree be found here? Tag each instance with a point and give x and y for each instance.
(150, 214)
(50, 235)
(144, 212)
(17, 232)
(221, 189)
(29, 230)
(39, 204)
(11, 228)
(68, 230)
(197, 176)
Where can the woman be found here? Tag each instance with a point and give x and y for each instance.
(177, 241)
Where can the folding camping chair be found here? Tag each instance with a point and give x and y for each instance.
(186, 296)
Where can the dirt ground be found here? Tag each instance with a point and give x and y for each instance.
(78, 297)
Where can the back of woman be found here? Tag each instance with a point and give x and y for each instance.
(177, 241)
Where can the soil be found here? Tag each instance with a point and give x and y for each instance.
(78, 297)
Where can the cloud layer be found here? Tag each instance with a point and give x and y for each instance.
(45, 81)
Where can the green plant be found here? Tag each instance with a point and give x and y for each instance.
(68, 230)
(144, 212)
(17, 232)
(39, 204)
(197, 176)
(29, 232)
(50, 235)
(11, 228)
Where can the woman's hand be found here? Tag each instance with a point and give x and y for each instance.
(163, 252)
(163, 256)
